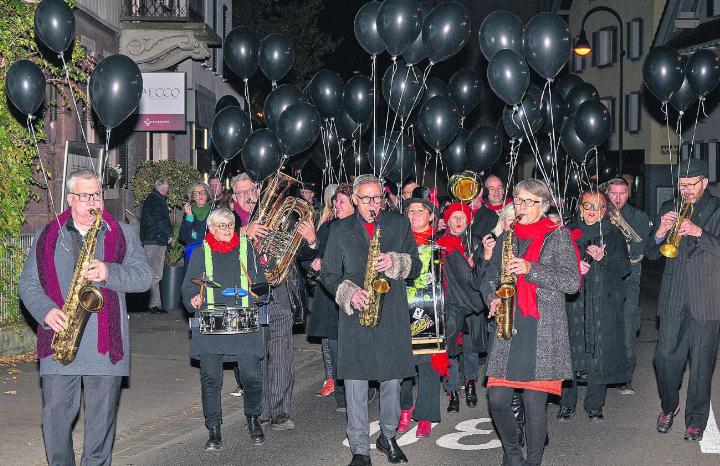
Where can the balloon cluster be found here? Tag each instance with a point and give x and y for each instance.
(244, 53)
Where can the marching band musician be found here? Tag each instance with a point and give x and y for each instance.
(382, 353)
(231, 262)
(689, 305)
(103, 357)
(485, 218)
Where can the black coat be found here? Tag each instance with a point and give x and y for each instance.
(155, 227)
(383, 352)
(596, 322)
(483, 222)
(323, 320)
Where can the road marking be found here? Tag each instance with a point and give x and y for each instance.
(408, 437)
(711, 437)
(468, 428)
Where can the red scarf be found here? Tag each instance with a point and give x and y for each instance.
(222, 246)
(451, 243)
(536, 233)
(423, 237)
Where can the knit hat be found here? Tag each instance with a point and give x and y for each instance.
(458, 207)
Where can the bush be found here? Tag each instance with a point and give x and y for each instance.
(179, 175)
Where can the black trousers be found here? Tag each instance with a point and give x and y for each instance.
(211, 381)
(427, 404)
(594, 396)
(682, 338)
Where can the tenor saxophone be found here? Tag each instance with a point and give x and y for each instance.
(376, 284)
(507, 288)
(82, 300)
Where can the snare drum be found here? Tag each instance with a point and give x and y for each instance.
(227, 320)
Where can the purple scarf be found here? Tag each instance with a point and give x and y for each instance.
(108, 319)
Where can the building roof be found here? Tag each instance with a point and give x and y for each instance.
(706, 35)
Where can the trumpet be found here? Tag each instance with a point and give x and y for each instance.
(671, 246)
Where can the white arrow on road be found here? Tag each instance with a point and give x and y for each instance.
(711, 437)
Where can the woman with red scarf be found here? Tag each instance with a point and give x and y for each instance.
(231, 262)
(537, 358)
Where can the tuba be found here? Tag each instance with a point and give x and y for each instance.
(376, 284)
(507, 288)
(464, 186)
(82, 300)
(671, 246)
(281, 214)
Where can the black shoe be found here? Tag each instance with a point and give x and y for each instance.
(564, 414)
(665, 422)
(360, 460)
(214, 443)
(256, 433)
(391, 449)
(282, 422)
(471, 397)
(519, 412)
(454, 404)
(596, 415)
(157, 310)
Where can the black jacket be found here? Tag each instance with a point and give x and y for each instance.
(323, 321)
(155, 225)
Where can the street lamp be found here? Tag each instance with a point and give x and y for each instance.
(583, 48)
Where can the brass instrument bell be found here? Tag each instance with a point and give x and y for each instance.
(464, 186)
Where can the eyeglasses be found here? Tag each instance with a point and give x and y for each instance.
(199, 193)
(225, 226)
(518, 201)
(85, 197)
(366, 199)
(593, 206)
(689, 185)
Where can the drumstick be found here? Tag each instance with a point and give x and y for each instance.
(202, 288)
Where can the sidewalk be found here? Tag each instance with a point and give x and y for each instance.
(160, 401)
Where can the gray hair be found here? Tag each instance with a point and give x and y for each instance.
(506, 212)
(366, 179)
(81, 175)
(192, 187)
(160, 183)
(241, 177)
(222, 214)
(618, 182)
(536, 188)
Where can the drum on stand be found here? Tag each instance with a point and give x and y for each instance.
(220, 319)
(427, 303)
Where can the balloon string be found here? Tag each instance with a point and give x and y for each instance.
(692, 141)
(218, 174)
(388, 134)
(553, 142)
(247, 99)
(664, 109)
(373, 72)
(105, 156)
(678, 129)
(702, 105)
(387, 113)
(31, 129)
(77, 112)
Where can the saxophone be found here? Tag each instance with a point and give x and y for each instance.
(506, 288)
(376, 284)
(83, 299)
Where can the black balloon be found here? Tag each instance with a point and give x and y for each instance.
(465, 89)
(527, 118)
(230, 130)
(547, 44)
(358, 98)
(482, 148)
(317, 154)
(366, 30)
(399, 22)
(382, 154)
(439, 122)
(55, 25)
(116, 86)
(226, 101)
(445, 31)
(433, 87)
(404, 165)
(326, 92)
(546, 159)
(663, 72)
(509, 76)
(574, 146)
(275, 56)
(298, 127)
(454, 156)
(565, 84)
(240, 51)
(356, 163)
(261, 154)
(401, 88)
(579, 94)
(25, 86)
(684, 97)
(299, 161)
(500, 30)
(415, 52)
(703, 71)
(593, 123)
(330, 144)
(347, 127)
(553, 109)
(278, 101)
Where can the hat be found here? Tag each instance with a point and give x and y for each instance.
(691, 168)
(458, 207)
(422, 196)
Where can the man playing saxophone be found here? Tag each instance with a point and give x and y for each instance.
(382, 353)
(689, 305)
(102, 359)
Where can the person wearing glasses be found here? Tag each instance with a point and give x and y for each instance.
(196, 211)
(596, 314)
(103, 357)
(537, 358)
(156, 233)
(383, 353)
(226, 258)
(689, 305)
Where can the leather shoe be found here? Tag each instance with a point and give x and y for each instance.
(596, 415)
(405, 418)
(257, 436)
(157, 310)
(282, 422)
(564, 414)
(360, 460)
(665, 422)
(214, 443)
(471, 397)
(391, 449)
(454, 404)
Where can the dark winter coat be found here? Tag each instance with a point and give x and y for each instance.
(187, 228)
(155, 227)
(323, 320)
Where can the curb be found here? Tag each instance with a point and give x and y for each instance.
(18, 339)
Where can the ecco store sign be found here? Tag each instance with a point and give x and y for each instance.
(162, 105)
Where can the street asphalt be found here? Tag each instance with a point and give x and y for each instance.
(160, 420)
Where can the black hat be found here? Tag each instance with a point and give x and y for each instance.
(691, 168)
(420, 195)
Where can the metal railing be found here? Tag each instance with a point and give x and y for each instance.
(10, 302)
(163, 10)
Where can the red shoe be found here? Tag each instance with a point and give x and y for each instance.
(327, 389)
(423, 429)
(405, 416)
